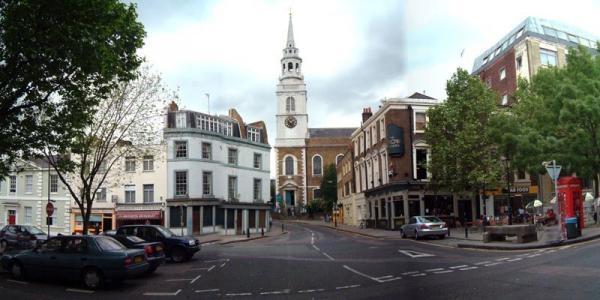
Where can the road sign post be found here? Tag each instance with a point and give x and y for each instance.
(49, 213)
(554, 171)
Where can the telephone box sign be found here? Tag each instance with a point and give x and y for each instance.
(395, 136)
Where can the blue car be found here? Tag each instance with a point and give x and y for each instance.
(92, 259)
(178, 248)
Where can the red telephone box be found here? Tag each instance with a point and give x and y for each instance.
(570, 200)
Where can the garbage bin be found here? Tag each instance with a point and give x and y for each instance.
(572, 228)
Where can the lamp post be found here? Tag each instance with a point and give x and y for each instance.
(506, 161)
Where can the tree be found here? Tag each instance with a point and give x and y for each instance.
(560, 113)
(58, 59)
(126, 121)
(329, 187)
(463, 154)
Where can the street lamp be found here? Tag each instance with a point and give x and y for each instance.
(506, 161)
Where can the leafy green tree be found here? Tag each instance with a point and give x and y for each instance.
(464, 157)
(329, 187)
(559, 111)
(58, 59)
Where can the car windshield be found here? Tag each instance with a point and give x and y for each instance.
(135, 239)
(109, 244)
(431, 220)
(165, 231)
(33, 230)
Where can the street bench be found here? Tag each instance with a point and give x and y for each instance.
(524, 233)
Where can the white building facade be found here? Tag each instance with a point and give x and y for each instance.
(24, 196)
(217, 173)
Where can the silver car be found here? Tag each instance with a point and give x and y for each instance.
(422, 226)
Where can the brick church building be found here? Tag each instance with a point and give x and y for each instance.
(302, 153)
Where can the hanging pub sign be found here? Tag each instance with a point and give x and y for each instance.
(395, 137)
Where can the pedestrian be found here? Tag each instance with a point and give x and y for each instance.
(96, 229)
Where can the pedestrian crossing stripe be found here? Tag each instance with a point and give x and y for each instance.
(415, 254)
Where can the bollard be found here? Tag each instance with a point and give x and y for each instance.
(262, 232)
(248, 233)
(466, 231)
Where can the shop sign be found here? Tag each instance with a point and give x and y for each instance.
(395, 137)
(522, 189)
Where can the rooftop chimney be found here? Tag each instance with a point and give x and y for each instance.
(366, 114)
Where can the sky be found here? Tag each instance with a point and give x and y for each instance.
(355, 53)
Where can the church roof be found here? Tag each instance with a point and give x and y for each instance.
(420, 96)
(330, 132)
(290, 36)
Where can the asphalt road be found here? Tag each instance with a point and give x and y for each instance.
(316, 262)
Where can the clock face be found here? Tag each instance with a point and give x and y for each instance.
(290, 122)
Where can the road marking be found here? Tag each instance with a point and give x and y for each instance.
(223, 264)
(194, 280)
(206, 291)
(390, 279)
(202, 269)
(458, 267)
(550, 251)
(501, 259)
(415, 254)
(492, 264)
(178, 279)
(433, 270)
(384, 277)
(217, 260)
(286, 291)
(482, 262)
(443, 272)
(163, 294)
(80, 291)
(469, 268)
(534, 255)
(310, 291)
(316, 248)
(361, 274)
(347, 287)
(418, 275)
(411, 272)
(17, 281)
(239, 294)
(515, 259)
(327, 255)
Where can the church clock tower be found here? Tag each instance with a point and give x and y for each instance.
(292, 119)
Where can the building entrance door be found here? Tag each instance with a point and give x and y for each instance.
(12, 217)
(289, 198)
(238, 223)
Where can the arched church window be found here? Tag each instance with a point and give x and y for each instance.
(338, 159)
(290, 66)
(317, 165)
(283, 67)
(290, 104)
(289, 166)
(297, 69)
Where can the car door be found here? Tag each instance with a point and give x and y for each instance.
(44, 259)
(411, 226)
(72, 257)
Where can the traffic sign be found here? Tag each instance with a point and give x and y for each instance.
(49, 209)
(553, 171)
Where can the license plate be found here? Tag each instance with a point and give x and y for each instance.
(158, 248)
(138, 259)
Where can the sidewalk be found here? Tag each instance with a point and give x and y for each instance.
(216, 238)
(474, 240)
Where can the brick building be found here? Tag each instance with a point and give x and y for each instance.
(535, 43)
(302, 153)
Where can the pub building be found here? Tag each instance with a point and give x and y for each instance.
(390, 166)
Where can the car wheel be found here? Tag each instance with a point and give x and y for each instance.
(402, 234)
(17, 271)
(151, 270)
(92, 278)
(442, 236)
(3, 246)
(417, 235)
(178, 255)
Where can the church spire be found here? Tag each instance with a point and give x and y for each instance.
(290, 36)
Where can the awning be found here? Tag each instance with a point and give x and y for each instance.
(139, 215)
(93, 218)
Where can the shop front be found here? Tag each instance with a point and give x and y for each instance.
(99, 220)
(132, 217)
(520, 195)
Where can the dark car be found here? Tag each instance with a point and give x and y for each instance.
(91, 259)
(20, 237)
(155, 253)
(178, 248)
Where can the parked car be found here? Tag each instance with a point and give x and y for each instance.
(422, 226)
(20, 237)
(155, 253)
(92, 259)
(178, 248)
